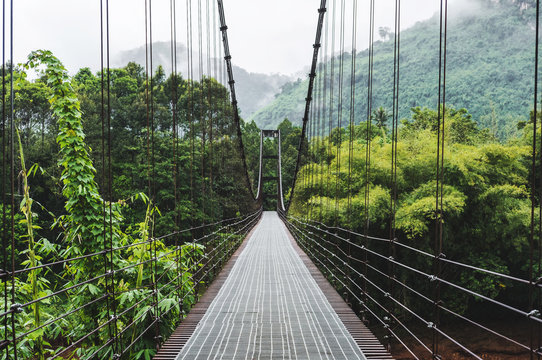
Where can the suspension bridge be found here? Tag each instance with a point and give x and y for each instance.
(251, 280)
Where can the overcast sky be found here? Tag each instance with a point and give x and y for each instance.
(265, 36)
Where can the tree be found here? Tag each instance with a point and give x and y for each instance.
(380, 116)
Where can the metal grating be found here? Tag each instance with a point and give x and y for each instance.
(175, 343)
(320, 328)
(366, 340)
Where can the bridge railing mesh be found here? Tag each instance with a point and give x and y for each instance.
(150, 289)
(394, 295)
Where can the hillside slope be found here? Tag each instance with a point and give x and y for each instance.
(254, 90)
(490, 67)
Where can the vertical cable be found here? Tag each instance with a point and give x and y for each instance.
(5, 264)
(318, 113)
(312, 154)
(440, 171)
(398, 77)
(539, 275)
(321, 117)
(107, 252)
(352, 109)
(434, 346)
(316, 47)
(201, 113)
(533, 281)
(339, 110)
(12, 176)
(191, 119)
(325, 146)
(152, 195)
(188, 116)
(330, 119)
(304, 179)
(211, 106)
(147, 96)
(222, 76)
(151, 74)
(351, 128)
(369, 113)
(174, 88)
(190, 106)
(368, 134)
(393, 167)
(147, 108)
(110, 179)
(331, 103)
(216, 76)
(310, 158)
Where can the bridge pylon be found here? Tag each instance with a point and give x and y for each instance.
(267, 157)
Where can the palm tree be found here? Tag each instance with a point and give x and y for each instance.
(380, 117)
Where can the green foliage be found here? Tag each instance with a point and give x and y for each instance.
(67, 184)
(38, 286)
(485, 198)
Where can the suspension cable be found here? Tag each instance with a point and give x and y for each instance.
(190, 111)
(175, 140)
(211, 104)
(231, 83)
(316, 46)
(532, 279)
(12, 180)
(393, 168)
(321, 129)
(340, 108)
(368, 133)
(369, 112)
(152, 191)
(110, 179)
(331, 103)
(5, 264)
(441, 115)
(352, 124)
(109, 285)
(539, 273)
(201, 113)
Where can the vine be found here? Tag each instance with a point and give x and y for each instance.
(83, 201)
(83, 226)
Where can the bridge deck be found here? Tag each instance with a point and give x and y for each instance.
(270, 306)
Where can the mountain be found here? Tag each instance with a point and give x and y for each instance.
(254, 90)
(490, 68)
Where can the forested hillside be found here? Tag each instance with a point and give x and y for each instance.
(490, 53)
(254, 90)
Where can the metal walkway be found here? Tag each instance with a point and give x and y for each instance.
(270, 307)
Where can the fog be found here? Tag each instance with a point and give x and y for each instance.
(265, 36)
